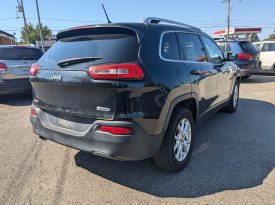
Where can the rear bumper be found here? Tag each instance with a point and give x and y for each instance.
(249, 69)
(134, 147)
(15, 86)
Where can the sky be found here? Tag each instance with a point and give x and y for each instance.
(209, 15)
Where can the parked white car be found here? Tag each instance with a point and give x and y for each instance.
(267, 54)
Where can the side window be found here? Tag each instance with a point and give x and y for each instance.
(215, 53)
(271, 47)
(169, 47)
(192, 47)
(265, 47)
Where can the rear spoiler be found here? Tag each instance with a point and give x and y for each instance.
(131, 29)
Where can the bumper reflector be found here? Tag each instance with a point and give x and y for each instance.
(116, 130)
(34, 112)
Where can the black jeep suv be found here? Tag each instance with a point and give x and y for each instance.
(244, 54)
(130, 91)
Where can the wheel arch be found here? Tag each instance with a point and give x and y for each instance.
(187, 101)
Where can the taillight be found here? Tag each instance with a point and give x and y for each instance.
(116, 130)
(116, 71)
(3, 67)
(34, 112)
(244, 56)
(34, 69)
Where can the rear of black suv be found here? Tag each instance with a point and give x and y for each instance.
(244, 54)
(132, 91)
(90, 86)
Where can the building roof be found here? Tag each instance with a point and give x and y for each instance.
(237, 31)
(3, 33)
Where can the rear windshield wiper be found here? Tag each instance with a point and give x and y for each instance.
(73, 61)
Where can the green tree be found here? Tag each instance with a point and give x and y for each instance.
(33, 33)
(271, 37)
(254, 37)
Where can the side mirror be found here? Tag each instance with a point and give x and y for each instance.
(229, 57)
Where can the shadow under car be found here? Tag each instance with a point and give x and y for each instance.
(231, 152)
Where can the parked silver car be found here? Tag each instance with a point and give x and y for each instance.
(15, 63)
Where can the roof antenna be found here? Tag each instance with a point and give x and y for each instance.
(106, 14)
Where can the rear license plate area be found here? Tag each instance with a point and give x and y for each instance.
(66, 124)
(21, 71)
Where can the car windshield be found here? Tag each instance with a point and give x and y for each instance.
(14, 53)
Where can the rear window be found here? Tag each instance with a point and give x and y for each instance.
(20, 53)
(111, 48)
(248, 47)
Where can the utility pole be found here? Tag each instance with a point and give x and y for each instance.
(228, 18)
(40, 27)
(20, 8)
(229, 8)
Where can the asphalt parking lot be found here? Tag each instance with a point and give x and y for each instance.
(233, 161)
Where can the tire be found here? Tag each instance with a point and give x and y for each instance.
(166, 157)
(234, 100)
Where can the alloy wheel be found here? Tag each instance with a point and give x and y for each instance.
(235, 96)
(183, 137)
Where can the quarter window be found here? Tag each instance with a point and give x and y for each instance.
(222, 46)
(192, 47)
(215, 53)
(169, 47)
(228, 48)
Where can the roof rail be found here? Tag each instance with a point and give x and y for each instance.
(159, 20)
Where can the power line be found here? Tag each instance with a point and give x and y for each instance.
(249, 21)
(212, 26)
(5, 19)
(246, 9)
(65, 20)
(215, 26)
(51, 19)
